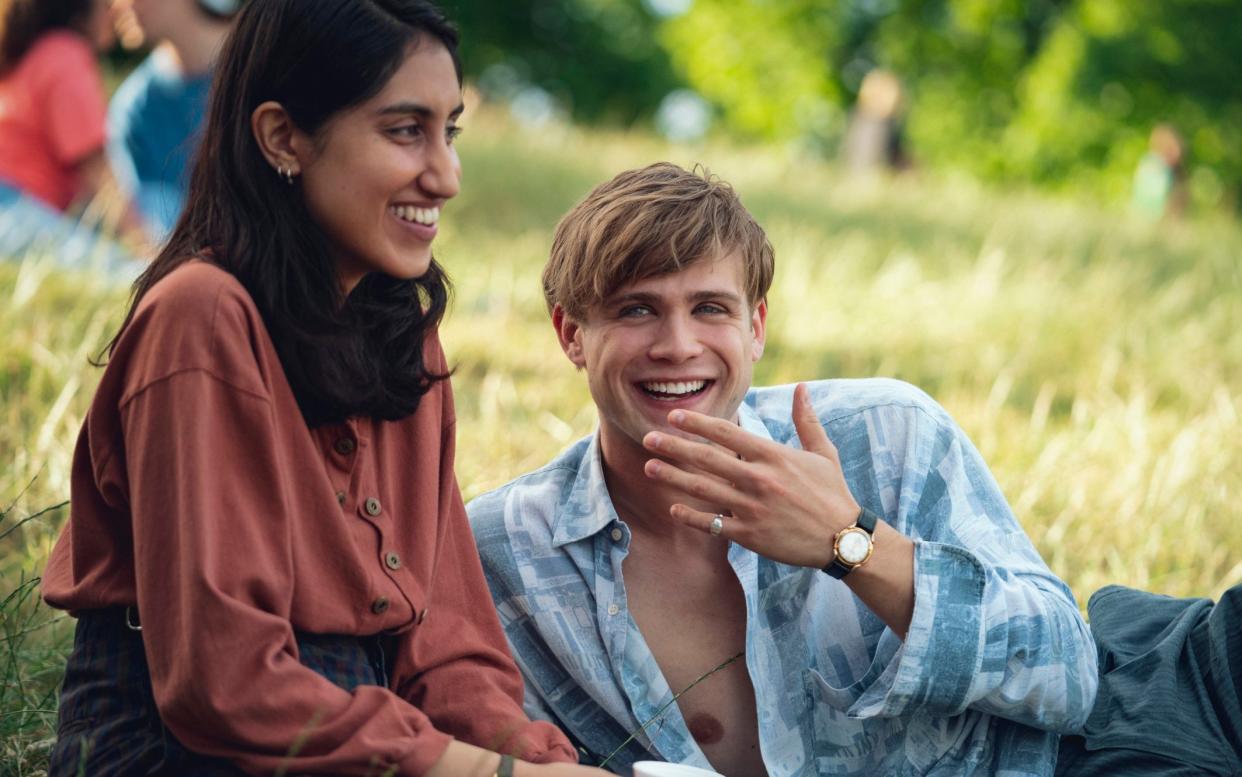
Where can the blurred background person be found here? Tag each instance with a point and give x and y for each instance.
(1160, 178)
(155, 117)
(873, 140)
(52, 133)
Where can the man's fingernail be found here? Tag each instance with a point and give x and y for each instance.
(677, 416)
(653, 440)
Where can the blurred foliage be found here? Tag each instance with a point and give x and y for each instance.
(1058, 92)
(598, 58)
(1063, 93)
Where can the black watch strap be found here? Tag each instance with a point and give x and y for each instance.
(865, 521)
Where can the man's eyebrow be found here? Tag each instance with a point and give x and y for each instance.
(631, 297)
(422, 111)
(716, 294)
(646, 297)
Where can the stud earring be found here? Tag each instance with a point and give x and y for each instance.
(286, 173)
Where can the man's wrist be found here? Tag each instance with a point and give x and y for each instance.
(853, 546)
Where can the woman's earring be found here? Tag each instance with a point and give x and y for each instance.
(286, 173)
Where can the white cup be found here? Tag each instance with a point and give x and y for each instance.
(661, 769)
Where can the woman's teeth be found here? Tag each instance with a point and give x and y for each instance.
(677, 389)
(426, 216)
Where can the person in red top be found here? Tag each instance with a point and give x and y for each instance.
(52, 122)
(267, 551)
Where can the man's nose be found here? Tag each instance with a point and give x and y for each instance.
(676, 340)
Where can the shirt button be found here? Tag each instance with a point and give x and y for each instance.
(392, 561)
(422, 616)
(613, 609)
(380, 605)
(372, 506)
(616, 535)
(345, 446)
(340, 497)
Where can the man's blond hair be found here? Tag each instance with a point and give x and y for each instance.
(651, 222)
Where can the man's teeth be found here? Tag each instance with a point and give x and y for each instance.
(427, 216)
(684, 387)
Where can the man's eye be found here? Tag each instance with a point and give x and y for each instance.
(635, 311)
(711, 308)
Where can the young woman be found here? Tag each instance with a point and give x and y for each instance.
(267, 552)
(52, 127)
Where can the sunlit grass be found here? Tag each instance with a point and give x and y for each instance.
(1096, 361)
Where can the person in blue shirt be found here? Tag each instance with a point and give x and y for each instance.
(156, 115)
(834, 556)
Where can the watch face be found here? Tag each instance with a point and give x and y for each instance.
(853, 546)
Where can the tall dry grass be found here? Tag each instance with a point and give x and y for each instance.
(1094, 359)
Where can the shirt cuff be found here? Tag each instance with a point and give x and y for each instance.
(936, 666)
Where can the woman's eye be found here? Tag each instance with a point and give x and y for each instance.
(407, 131)
(452, 133)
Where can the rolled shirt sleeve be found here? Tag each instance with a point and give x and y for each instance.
(201, 495)
(463, 675)
(214, 583)
(993, 629)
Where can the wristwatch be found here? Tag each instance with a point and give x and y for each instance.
(853, 545)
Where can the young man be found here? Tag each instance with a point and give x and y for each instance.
(155, 117)
(843, 537)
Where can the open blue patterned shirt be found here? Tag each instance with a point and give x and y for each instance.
(996, 662)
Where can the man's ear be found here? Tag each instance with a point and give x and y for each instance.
(280, 142)
(759, 326)
(569, 334)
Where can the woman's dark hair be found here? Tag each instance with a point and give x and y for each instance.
(22, 22)
(361, 355)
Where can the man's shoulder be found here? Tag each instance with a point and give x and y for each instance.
(134, 92)
(538, 495)
(841, 399)
(154, 90)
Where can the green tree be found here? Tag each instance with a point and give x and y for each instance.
(600, 58)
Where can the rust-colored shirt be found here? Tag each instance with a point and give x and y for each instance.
(200, 495)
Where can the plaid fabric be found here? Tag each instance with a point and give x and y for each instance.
(109, 724)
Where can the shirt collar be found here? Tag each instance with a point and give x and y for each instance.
(588, 509)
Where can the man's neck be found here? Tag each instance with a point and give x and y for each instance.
(194, 50)
(644, 503)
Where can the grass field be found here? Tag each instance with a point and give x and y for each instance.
(1095, 360)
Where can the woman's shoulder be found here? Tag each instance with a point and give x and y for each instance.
(196, 285)
(61, 49)
(201, 297)
(60, 62)
(198, 317)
